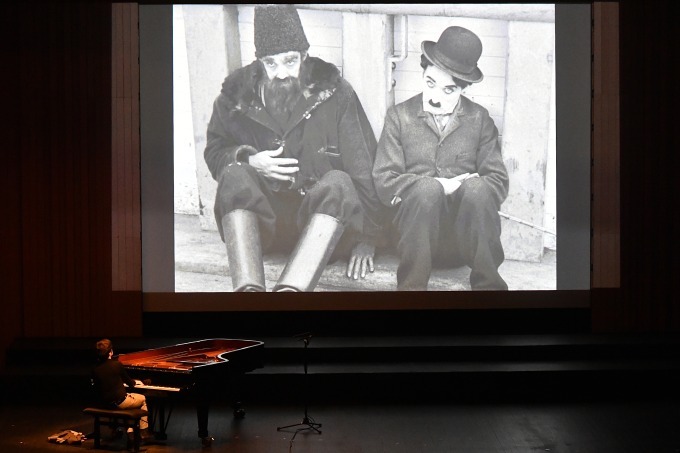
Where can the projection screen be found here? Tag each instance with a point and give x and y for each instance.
(535, 61)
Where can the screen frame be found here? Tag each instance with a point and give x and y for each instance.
(573, 51)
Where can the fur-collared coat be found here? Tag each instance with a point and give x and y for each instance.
(411, 148)
(328, 130)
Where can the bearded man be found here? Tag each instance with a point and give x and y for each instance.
(439, 167)
(292, 151)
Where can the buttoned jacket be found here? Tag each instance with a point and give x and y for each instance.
(411, 147)
(328, 130)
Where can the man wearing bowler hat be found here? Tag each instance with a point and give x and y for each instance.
(439, 167)
(292, 151)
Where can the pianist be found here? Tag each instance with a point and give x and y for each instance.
(109, 378)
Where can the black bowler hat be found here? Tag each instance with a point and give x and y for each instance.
(457, 53)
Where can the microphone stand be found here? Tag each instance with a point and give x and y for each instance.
(307, 422)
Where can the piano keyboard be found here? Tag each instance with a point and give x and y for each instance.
(157, 388)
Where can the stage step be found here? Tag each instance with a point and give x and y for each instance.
(384, 349)
(377, 367)
(442, 349)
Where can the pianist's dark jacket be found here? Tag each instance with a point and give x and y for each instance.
(108, 379)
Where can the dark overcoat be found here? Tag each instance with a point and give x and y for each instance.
(328, 130)
(411, 148)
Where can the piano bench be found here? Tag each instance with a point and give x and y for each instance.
(125, 418)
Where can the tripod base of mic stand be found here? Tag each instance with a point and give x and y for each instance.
(306, 425)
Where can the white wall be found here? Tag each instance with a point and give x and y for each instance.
(186, 184)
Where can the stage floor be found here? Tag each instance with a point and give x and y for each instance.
(583, 427)
(485, 394)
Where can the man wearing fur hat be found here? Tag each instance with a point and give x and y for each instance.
(439, 167)
(292, 151)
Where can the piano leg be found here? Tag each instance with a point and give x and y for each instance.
(161, 434)
(204, 392)
(202, 412)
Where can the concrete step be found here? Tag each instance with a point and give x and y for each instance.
(201, 266)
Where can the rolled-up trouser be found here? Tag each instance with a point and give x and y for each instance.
(463, 228)
(136, 401)
(284, 214)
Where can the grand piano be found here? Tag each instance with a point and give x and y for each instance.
(200, 370)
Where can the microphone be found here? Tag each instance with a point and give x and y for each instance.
(303, 336)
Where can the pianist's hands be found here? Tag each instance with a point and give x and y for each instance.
(146, 381)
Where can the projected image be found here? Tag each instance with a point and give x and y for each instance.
(386, 147)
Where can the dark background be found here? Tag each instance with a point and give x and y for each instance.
(56, 189)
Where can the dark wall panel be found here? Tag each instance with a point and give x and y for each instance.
(125, 164)
(56, 182)
(648, 296)
(10, 183)
(606, 145)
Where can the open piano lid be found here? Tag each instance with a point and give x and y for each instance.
(195, 356)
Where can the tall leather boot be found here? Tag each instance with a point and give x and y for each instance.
(312, 252)
(244, 250)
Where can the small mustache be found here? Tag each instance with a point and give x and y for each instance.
(435, 104)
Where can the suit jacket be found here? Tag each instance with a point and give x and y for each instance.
(411, 148)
